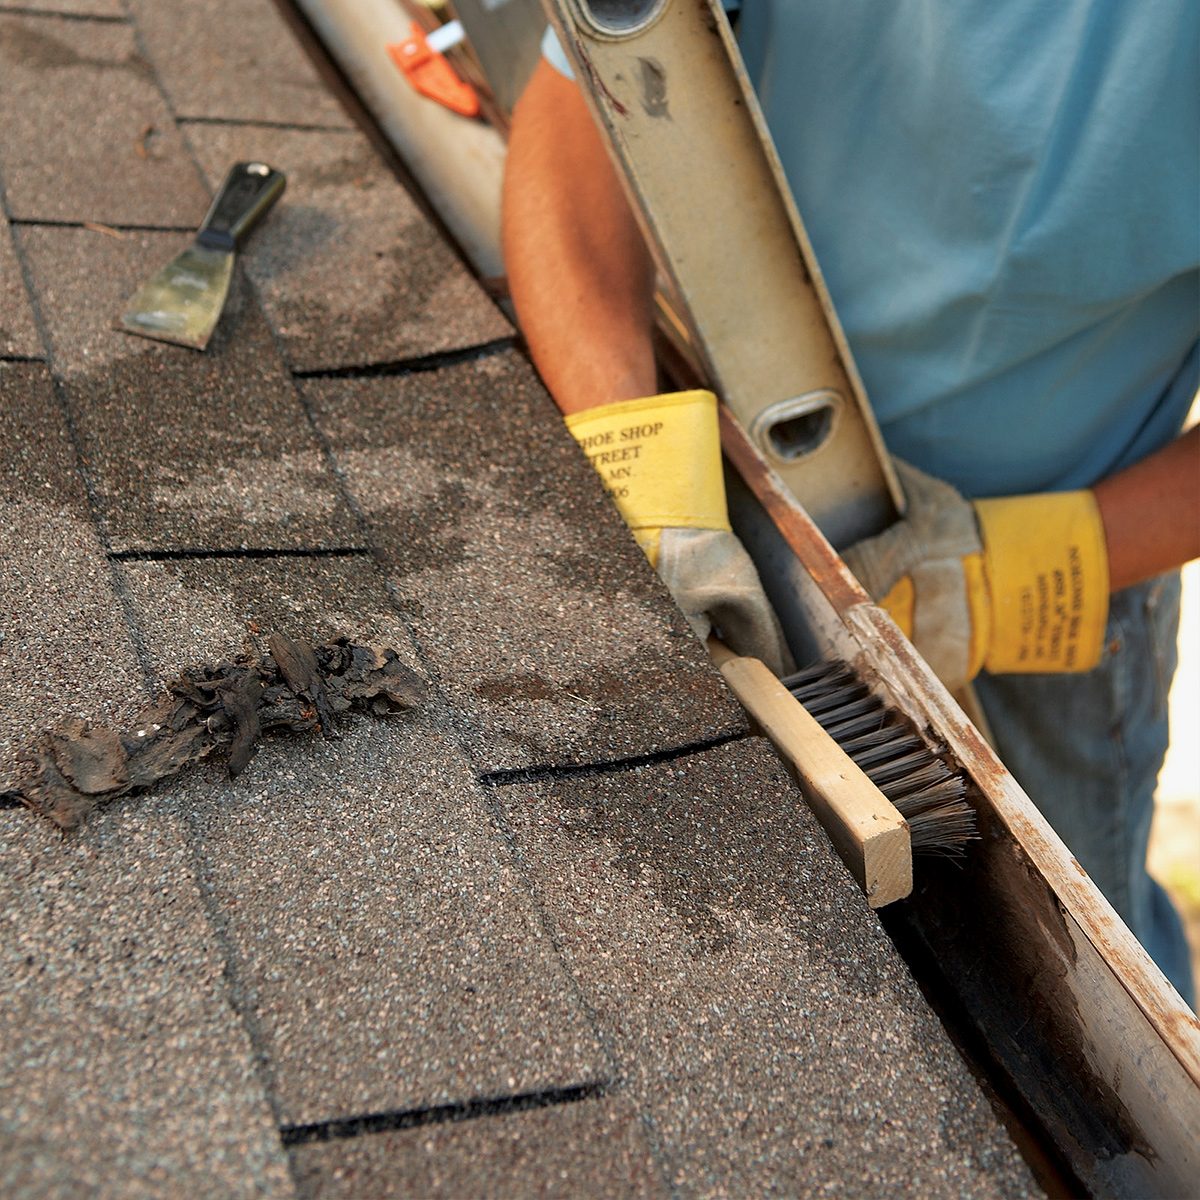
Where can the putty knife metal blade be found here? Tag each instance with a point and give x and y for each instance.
(183, 301)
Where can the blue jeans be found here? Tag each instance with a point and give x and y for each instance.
(1088, 748)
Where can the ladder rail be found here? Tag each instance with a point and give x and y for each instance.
(691, 144)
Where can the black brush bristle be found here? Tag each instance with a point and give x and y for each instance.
(928, 794)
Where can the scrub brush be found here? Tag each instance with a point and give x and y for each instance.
(927, 793)
(878, 789)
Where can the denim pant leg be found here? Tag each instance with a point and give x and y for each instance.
(1088, 748)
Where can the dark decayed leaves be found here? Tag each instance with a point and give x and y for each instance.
(221, 709)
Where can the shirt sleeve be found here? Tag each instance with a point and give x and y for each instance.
(554, 54)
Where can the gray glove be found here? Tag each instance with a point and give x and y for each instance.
(716, 584)
(660, 459)
(928, 547)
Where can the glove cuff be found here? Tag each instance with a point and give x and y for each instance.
(660, 459)
(1046, 566)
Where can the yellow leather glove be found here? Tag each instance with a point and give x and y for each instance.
(1014, 585)
(660, 459)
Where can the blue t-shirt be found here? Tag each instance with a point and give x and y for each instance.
(1005, 202)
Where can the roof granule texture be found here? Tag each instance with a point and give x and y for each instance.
(192, 611)
(586, 1148)
(65, 650)
(234, 60)
(758, 1013)
(381, 942)
(87, 135)
(186, 450)
(126, 1072)
(550, 633)
(19, 337)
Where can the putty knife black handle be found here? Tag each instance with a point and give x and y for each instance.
(246, 195)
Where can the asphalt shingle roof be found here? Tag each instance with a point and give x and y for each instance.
(494, 537)
(18, 333)
(227, 60)
(64, 646)
(126, 1071)
(348, 270)
(87, 133)
(566, 928)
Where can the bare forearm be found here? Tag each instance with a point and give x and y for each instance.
(580, 276)
(1151, 513)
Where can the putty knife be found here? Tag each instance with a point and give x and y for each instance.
(183, 302)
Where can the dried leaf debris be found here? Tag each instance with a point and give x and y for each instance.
(226, 708)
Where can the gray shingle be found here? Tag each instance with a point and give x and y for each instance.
(590, 1148)
(376, 931)
(350, 272)
(554, 640)
(64, 646)
(382, 943)
(760, 1016)
(125, 1071)
(18, 334)
(106, 148)
(204, 450)
(195, 611)
(233, 59)
(87, 8)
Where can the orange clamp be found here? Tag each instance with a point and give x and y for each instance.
(432, 76)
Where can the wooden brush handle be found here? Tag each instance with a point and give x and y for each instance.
(866, 829)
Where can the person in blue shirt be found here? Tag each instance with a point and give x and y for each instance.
(1005, 202)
